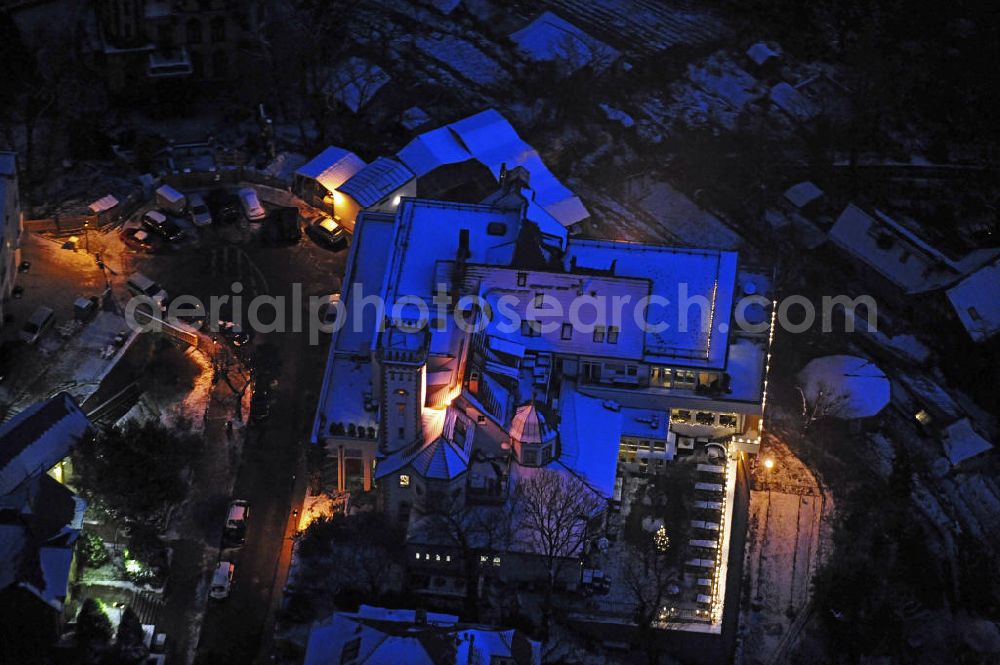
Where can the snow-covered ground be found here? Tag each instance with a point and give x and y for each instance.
(680, 216)
(787, 538)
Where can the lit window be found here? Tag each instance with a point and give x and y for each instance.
(404, 480)
(567, 331)
(447, 557)
(483, 558)
(598, 334)
(437, 557)
(496, 561)
(613, 335)
(418, 556)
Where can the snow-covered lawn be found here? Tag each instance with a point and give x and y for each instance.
(464, 58)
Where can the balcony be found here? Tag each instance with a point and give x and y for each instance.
(167, 63)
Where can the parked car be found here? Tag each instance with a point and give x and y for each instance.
(158, 223)
(40, 321)
(326, 231)
(222, 580)
(200, 214)
(236, 522)
(138, 239)
(251, 204)
(282, 225)
(140, 285)
(170, 199)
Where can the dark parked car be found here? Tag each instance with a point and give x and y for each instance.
(138, 239)
(158, 223)
(282, 225)
(329, 233)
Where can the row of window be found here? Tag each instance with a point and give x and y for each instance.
(601, 334)
(427, 556)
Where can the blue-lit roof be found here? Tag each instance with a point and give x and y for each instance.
(376, 181)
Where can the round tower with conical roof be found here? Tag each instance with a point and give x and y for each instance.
(533, 440)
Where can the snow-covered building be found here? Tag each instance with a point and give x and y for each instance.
(376, 636)
(976, 303)
(10, 226)
(40, 518)
(886, 249)
(459, 383)
(479, 148)
(552, 38)
(317, 180)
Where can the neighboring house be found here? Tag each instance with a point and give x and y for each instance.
(378, 187)
(453, 416)
(355, 82)
(902, 261)
(961, 441)
(40, 517)
(977, 304)
(10, 227)
(198, 40)
(478, 147)
(551, 38)
(763, 59)
(317, 180)
(377, 636)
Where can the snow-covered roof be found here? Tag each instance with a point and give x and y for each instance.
(414, 117)
(851, 387)
(102, 204)
(559, 291)
(760, 53)
(802, 194)
(443, 453)
(377, 636)
(490, 139)
(33, 441)
(550, 37)
(708, 274)
(893, 251)
(429, 232)
(961, 441)
(792, 102)
(528, 425)
(645, 423)
(376, 181)
(356, 81)
(976, 303)
(589, 438)
(332, 167)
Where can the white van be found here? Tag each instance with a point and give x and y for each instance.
(40, 321)
(200, 214)
(170, 199)
(140, 285)
(222, 579)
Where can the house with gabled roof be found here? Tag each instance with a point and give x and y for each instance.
(40, 517)
(378, 636)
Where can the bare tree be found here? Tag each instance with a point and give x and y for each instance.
(554, 511)
(827, 403)
(648, 578)
(473, 529)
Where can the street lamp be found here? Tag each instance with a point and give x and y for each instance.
(768, 465)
